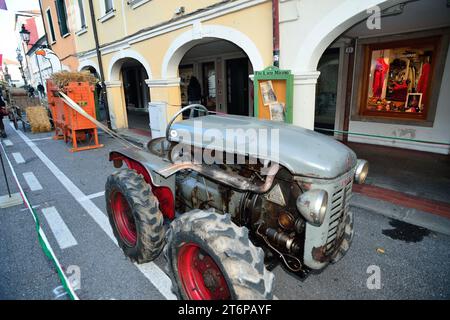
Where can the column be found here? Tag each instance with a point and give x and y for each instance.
(116, 103)
(305, 98)
(165, 102)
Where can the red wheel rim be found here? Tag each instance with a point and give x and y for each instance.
(200, 276)
(123, 219)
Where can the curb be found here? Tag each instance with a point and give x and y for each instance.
(416, 217)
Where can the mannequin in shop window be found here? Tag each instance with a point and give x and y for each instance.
(381, 68)
(422, 84)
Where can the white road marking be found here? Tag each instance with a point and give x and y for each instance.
(32, 181)
(8, 142)
(60, 230)
(150, 270)
(95, 195)
(39, 139)
(34, 207)
(18, 157)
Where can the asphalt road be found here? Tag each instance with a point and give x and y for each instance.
(414, 263)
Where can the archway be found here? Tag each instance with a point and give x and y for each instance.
(131, 70)
(136, 93)
(91, 70)
(215, 73)
(189, 39)
(100, 107)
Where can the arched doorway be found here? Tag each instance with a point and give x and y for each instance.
(215, 73)
(128, 75)
(92, 70)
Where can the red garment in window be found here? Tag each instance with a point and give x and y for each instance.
(422, 85)
(381, 68)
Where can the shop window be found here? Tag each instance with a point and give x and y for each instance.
(209, 85)
(398, 78)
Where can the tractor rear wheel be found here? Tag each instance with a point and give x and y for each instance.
(211, 258)
(134, 215)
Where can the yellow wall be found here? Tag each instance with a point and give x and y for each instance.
(254, 22)
(154, 49)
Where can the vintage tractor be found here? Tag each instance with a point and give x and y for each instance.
(224, 225)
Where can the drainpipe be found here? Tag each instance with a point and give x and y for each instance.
(276, 33)
(100, 63)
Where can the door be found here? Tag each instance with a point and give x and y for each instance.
(237, 86)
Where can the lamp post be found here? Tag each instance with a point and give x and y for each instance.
(25, 36)
(20, 59)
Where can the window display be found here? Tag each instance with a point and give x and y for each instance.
(399, 79)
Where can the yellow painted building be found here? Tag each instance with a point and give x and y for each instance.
(151, 49)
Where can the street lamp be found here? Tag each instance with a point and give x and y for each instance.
(20, 59)
(25, 34)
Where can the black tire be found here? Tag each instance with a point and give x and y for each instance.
(347, 240)
(144, 208)
(240, 262)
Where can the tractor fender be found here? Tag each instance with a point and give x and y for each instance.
(147, 165)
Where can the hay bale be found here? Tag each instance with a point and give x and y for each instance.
(38, 119)
(62, 79)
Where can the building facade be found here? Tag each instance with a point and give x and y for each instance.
(378, 69)
(152, 49)
(61, 21)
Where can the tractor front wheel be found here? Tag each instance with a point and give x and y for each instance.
(211, 258)
(134, 215)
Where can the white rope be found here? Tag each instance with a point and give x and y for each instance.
(100, 125)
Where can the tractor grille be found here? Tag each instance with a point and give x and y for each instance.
(339, 206)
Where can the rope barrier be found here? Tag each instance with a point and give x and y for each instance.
(43, 241)
(382, 136)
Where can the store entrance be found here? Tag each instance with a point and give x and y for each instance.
(216, 73)
(237, 86)
(136, 93)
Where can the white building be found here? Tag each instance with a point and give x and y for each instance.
(371, 67)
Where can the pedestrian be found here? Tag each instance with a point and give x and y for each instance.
(41, 90)
(30, 91)
(194, 92)
(3, 112)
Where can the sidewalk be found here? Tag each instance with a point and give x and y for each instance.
(407, 185)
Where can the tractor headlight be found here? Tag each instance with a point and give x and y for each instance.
(362, 170)
(313, 206)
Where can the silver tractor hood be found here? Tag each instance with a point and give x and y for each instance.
(303, 152)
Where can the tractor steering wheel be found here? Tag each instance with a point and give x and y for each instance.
(191, 107)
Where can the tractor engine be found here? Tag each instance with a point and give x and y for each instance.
(272, 217)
